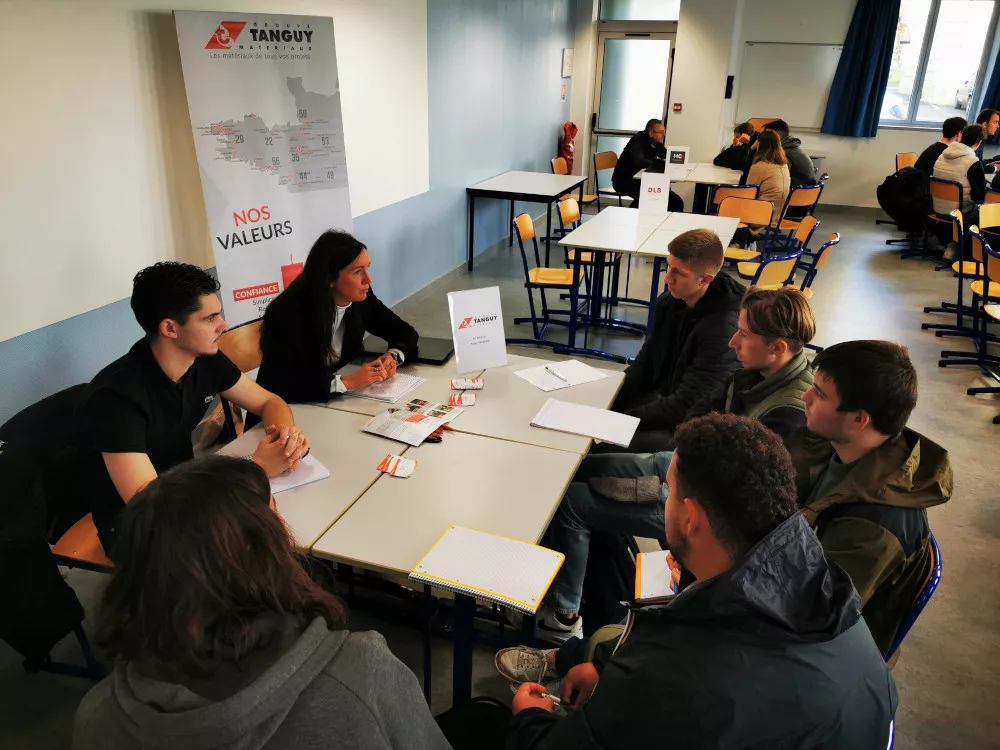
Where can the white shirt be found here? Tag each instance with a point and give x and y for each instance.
(337, 345)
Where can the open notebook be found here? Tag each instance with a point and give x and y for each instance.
(653, 583)
(511, 573)
(309, 470)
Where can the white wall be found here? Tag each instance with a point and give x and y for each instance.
(100, 177)
(857, 165)
(584, 78)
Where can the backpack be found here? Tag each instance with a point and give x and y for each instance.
(904, 197)
(609, 581)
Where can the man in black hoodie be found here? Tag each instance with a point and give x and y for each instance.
(740, 154)
(686, 355)
(800, 166)
(645, 150)
(767, 649)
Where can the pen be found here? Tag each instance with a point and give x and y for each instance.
(553, 373)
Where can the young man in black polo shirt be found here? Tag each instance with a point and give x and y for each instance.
(136, 417)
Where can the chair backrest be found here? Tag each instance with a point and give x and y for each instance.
(989, 215)
(823, 254)
(923, 596)
(957, 230)
(906, 159)
(242, 345)
(721, 192)
(945, 190)
(569, 214)
(821, 180)
(748, 210)
(524, 229)
(992, 265)
(559, 165)
(976, 242)
(605, 160)
(758, 123)
(992, 195)
(805, 231)
(804, 195)
(776, 270)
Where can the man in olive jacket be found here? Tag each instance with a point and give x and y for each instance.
(865, 480)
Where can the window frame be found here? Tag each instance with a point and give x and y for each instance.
(912, 123)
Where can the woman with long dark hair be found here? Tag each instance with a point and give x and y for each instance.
(221, 639)
(317, 325)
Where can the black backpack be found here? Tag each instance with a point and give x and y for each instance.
(609, 581)
(904, 197)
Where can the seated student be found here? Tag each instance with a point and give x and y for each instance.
(990, 120)
(221, 639)
(686, 354)
(623, 493)
(136, 417)
(958, 163)
(800, 166)
(769, 170)
(769, 625)
(739, 155)
(645, 150)
(951, 132)
(318, 324)
(865, 479)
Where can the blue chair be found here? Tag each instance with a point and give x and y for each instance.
(924, 596)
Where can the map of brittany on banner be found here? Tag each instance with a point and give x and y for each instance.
(264, 98)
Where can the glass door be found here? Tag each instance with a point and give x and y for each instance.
(633, 81)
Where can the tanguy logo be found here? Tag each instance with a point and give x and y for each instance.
(474, 321)
(252, 292)
(226, 34)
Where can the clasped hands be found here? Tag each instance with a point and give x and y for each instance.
(376, 371)
(281, 450)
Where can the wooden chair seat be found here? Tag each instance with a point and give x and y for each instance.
(741, 225)
(740, 254)
(993, 291)
(587, 257)
(993, 311)
(788, 225)
(587, 198)
(81, 544)
(968, 267)
(551, 276)
(942, 219)
(747, 269)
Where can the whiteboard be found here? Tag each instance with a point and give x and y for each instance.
(787, 81)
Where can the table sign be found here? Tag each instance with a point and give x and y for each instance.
(477, 329)
(654, 194)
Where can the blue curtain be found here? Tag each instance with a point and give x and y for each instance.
(991, 98)
(863, 71)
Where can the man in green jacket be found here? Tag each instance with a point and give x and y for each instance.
(623, 493)
(865, 480)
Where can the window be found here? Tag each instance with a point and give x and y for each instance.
(640, 10)
(938, 60)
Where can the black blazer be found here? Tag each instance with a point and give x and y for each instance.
(291, 369)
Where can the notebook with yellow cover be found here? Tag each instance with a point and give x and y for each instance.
(653, 581)
(506, 571)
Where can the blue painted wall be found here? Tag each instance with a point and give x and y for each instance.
(493, 70)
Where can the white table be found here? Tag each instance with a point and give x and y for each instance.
(701, 175)
(437, 389)
(507, 404)
(336, 440)
(532, 187)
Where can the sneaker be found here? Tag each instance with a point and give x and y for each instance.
(521, 664)
(551, 628)
(950, 251)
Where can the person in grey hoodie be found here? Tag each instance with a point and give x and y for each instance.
(958, 163)
(800, 166)
(222, 641)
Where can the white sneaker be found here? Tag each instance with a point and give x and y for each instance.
(550, 629)
(520, 664)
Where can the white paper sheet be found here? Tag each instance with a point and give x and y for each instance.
(546, 377)
(388, 391)
(577, 419)
(309, 470)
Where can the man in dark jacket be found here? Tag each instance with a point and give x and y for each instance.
(645, 150)
(951, 132)
(686, 354)
(800, 166)
(767, 649)
(740, 154)
(622, 493)
(990, 120)
(865, 480)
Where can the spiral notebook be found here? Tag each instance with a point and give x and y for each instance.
(511, 573)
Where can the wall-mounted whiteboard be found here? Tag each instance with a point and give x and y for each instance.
(787, 81)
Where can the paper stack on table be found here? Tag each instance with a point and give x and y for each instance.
(588, 421)
(388, 391)
(403, 426)
(556, 375)
(309, 470)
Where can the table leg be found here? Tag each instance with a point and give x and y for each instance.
(597, 286)
(428, 616)
(472, 228)
(510, 226)
(700, 199)
(548, 231)
(654, 292)
(574, 299)
(464, 614)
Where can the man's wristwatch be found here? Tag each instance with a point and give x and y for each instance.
(396, 356)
